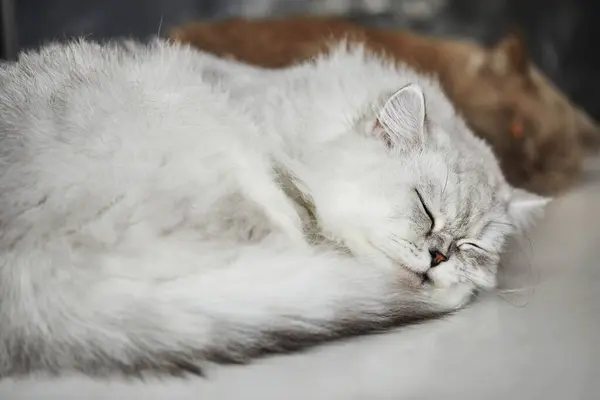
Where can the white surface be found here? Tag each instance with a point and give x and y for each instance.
(534, 344)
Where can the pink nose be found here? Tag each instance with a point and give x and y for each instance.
(437, 258)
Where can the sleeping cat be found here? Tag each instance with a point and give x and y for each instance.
(538, 135)
(161, 208)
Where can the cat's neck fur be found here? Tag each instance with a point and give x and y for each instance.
(144, 229)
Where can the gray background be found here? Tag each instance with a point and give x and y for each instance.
(562, 34)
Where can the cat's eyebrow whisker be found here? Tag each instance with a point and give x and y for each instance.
(445, 183)
(453, 192)
(503, 223)
(160, 25)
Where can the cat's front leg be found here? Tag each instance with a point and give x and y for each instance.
(361, 195)
(348, 216)
(258, 183)
(368, 225)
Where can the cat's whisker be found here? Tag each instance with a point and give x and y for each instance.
(160, 23)
(501, 294)
(395, 238)
(452, 192)
(503, 223)
(530, 278)
(446, 182)
(234, 261)
(515, 290)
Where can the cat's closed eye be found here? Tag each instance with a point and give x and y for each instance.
(427, 212)
(467, 243)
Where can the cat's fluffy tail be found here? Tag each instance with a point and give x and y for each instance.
(122, 315)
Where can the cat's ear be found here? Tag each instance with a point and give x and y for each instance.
(509, 54)
(402, 118)
(525, 208)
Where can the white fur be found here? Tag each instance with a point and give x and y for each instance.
(149, 219)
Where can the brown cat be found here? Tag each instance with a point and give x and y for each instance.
(538, 135)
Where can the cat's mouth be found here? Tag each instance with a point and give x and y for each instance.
(424, 278)
(414, 279)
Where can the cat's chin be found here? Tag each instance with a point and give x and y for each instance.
(411, 278)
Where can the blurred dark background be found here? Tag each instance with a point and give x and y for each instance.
(562, 35)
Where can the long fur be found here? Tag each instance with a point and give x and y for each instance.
(146, 215)
(538, 135)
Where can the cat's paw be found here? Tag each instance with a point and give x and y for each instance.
(368, 226)
(383, 242)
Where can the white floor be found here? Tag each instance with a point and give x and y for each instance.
(541, 343)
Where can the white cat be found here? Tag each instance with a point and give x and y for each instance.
(160, 207)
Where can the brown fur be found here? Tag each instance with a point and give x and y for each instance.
(539, 137)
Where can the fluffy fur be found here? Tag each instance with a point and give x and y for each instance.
(538, 135)
(161, 207)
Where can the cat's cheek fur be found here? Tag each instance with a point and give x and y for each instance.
(444, 275)
(410, 278)
(218, 279)
(485, 281)
(412, 257)
(344, 218)
(454, 296)
(383, 239)
(448, 274)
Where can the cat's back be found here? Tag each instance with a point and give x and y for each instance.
(81, 123)
(99, 99)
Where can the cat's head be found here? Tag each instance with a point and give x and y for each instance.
(454, 208)
(538, 135)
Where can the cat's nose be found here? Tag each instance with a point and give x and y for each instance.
(437, 257)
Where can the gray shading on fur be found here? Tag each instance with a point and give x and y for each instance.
(162, 208)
